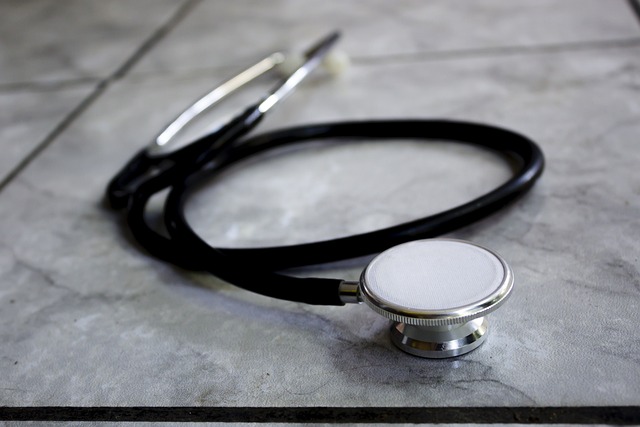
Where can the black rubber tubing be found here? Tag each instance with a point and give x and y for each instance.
(255, 269)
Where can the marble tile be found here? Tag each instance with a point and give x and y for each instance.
(28, 117)
(90, 320)
(49, 41)
(220, 33)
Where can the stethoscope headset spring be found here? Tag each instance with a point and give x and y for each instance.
(437, 306)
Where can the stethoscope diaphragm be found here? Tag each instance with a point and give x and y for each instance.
(437, 293)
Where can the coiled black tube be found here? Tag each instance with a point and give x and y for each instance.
(255, 269)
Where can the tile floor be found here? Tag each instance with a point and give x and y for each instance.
(87, 319)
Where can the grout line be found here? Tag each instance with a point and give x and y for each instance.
(61, 127)
(47, 86)
(584, 415)
(635, 8)
(421, 56)
(364, 60)
(180, 14)
(148, 44)
(500, 51)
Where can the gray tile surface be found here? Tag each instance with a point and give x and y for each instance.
(49, 41)
(28, 117)
(54, 55)
(147, 329)
(87, 319)
(216, 35)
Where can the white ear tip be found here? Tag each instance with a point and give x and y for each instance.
(290, 63)
(336, 62)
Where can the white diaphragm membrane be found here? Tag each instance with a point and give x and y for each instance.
(434, 275)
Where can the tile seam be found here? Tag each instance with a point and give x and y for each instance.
(47, 86)
(447, 55)
(502, 51)
(100, 88)
(585, 415)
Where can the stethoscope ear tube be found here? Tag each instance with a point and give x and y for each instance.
(120, 187)
(146, 167)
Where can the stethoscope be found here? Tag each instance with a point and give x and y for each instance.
(437, 292)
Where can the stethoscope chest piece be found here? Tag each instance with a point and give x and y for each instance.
(437, 293)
